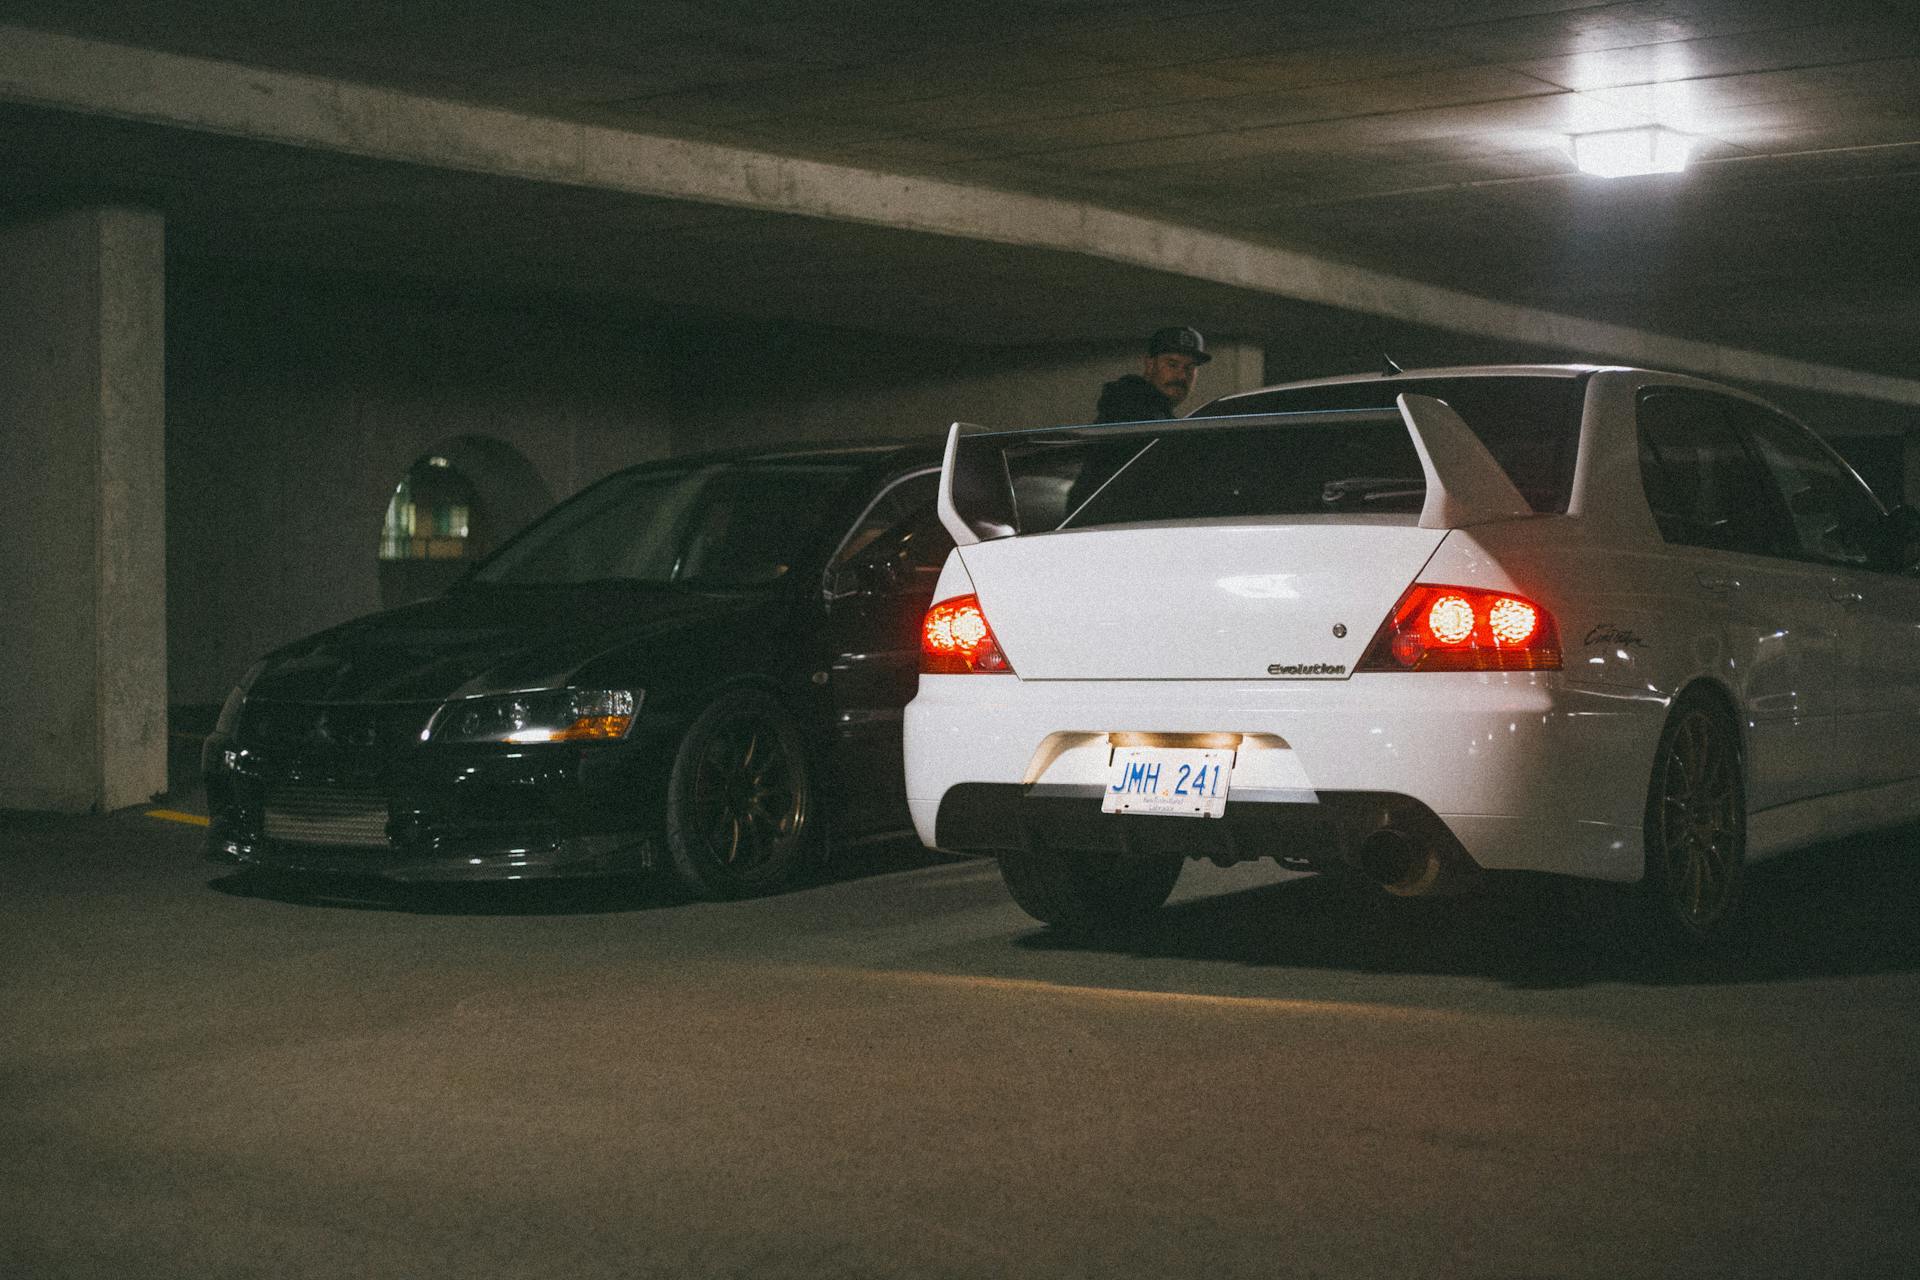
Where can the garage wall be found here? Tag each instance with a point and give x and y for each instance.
(775, 382)
(294, 406)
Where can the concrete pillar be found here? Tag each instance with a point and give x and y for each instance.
(83, 651)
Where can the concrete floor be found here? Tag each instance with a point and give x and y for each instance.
(896, 1074)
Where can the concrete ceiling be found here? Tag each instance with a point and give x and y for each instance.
(1418, 139)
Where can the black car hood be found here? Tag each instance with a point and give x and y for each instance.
(483, 640)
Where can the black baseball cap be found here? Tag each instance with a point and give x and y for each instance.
(1179, 340)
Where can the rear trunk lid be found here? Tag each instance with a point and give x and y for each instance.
(1211, 601)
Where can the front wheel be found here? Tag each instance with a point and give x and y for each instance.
(740, 800)
(1696, 826)
(1078, 890)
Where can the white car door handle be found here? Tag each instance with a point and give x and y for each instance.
(1712, 583)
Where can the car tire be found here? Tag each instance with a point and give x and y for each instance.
(1696, 827)
(1077, 890)
(740, 800)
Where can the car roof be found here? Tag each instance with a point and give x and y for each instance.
(1665, 376)
(864, 453)
(1450, 371)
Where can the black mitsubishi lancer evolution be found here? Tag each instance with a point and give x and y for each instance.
(697, 664)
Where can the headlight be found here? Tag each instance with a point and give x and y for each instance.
(229, 721)
(559, 715)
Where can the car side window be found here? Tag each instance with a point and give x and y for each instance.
(1836, 518)
(899, 544)
(892, 505)
(917, 547)
(1706, 489)
(755, 522)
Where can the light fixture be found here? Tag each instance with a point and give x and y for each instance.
(1625, 153)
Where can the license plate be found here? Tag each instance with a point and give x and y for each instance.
(1182, 782)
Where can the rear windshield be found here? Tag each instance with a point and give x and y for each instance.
(1347, 452)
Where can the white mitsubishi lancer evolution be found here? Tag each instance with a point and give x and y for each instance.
(1602, 622)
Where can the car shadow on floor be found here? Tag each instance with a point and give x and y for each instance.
(1842, 909)
(596, 896)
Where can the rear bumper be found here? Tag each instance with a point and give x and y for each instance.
(1327, 832)
(1521, 772)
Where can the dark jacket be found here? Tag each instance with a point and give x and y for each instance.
(1131, 399)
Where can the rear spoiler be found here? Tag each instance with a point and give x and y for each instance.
(976, 489)
(1464, 485)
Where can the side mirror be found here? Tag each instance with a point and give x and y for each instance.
(863, 578)
(843, 583)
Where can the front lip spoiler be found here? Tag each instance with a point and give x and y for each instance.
(565, 858)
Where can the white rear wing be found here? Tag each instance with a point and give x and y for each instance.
(974, 481)
(1464, 484)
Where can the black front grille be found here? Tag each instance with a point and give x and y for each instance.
(326, 813)
(378, 727)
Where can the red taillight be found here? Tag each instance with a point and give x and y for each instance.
(1464, 629)
(956, 640)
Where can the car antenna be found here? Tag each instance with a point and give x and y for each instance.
(1388, 366)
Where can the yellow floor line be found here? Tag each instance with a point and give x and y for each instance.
(1270, 1004)
(174, 815)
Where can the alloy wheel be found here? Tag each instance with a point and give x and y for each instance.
(1699, 821)
(747, 800)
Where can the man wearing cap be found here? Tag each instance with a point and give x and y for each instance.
(1174, 357)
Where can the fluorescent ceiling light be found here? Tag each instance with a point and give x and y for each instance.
(1623, 153)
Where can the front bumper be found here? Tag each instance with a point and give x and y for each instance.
(471, 813)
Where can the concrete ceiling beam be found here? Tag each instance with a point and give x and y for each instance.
(202, 95)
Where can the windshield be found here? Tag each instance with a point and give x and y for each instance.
(718, 525)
